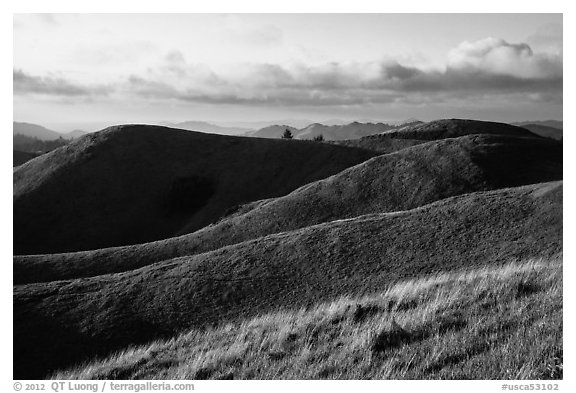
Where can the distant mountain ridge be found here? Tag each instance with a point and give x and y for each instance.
(35, 131)
(75, 134)
(335, 132)
(331, 130)
(545, 131)
(42, 133)
(548, 123)
(274, 131)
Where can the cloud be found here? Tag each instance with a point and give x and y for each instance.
(497, 57)
(474, 70)
(52, 86)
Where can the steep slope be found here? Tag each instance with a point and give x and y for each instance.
(491, 323)
(34, 131)
(403, 180)
(64, 322)
(274, 131)
(453, 128)
(20, 157)
(132, 184)
(545, 131)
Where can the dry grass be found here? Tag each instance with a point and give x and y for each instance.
(492, 323)
(61, 323)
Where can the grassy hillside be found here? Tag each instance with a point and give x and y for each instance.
(400, 181)
(492, 323)
(60, 323)
(132, 184)
(20, 157)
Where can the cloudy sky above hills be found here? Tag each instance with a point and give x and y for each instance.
(226, 68)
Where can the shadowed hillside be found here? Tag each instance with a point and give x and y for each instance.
(492, 323)
(132, 184)
(399, 181)
(59, 323)
(20, 157)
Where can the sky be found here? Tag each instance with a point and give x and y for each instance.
(92, 70)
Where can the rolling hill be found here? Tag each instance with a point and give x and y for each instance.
(452, 128)
(451, 326)
(61, 323)
(398, 181)
(415, 133)
(132, 184)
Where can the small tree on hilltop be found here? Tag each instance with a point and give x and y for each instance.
(287, 134)
(319, 138)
